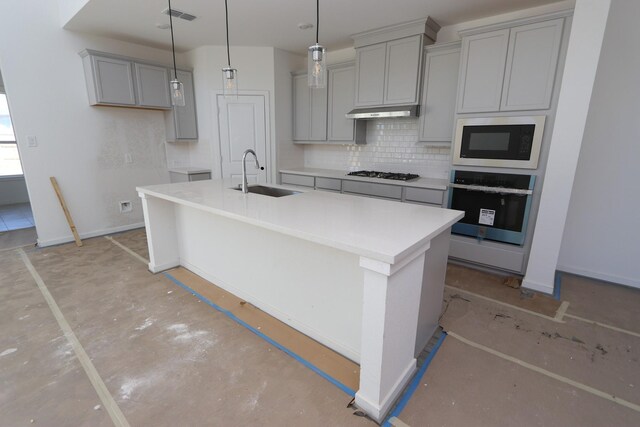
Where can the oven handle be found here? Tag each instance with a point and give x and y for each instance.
(500, 190)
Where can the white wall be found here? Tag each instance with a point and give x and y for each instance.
(255, 72)
(583, 53)
(82, 146)
(602, 236)
(289, 155)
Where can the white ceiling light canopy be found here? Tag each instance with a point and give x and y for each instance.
(317, 59)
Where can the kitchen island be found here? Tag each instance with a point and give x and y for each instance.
(362, 276)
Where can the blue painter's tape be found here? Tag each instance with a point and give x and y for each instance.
(556, 285)
(416, 381)
(233, 317)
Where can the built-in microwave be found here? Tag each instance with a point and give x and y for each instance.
(508, 142)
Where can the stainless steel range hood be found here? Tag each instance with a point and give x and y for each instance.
(384, 112)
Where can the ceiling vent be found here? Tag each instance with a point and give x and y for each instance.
(179, 14)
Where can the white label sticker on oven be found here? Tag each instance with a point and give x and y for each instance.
(486, 216)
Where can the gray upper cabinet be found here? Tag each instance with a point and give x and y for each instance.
(120, 81)
(181, 122)
(340, 102)
(531, 65)
(310, 111)
(152, 83)
(440, 84)
(370, 72)
(482, 71)
(388, 73)
(109, 81)
(510, 69)
(319, 114)
(402, 70)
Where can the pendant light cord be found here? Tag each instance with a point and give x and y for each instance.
(317, 19)
(173, 47)
(226, 17)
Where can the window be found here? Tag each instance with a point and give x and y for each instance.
(9, 157)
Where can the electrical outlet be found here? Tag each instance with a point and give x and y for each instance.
(32, 141)
(125, 206)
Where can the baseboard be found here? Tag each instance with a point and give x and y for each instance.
(539, 287)
(66, 239)
(379, 412)
(625, 281)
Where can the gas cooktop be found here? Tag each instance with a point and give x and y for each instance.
(386, 175)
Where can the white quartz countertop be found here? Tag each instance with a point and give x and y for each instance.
(432, 183)
(383, 230)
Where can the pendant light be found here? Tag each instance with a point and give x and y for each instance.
(229, 75)
(175, 86)
(317, 59)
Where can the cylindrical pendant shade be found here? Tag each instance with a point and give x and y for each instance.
(177, 93)
(317, 66)
(230, 82)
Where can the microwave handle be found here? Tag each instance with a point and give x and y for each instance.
(499, 190)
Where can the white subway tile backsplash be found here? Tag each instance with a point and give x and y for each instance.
(392, 145)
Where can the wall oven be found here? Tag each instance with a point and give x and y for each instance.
(496, 205)
(509, 142)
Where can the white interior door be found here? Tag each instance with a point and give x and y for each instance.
(242, 124)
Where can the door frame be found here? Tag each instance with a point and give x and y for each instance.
(216, 149)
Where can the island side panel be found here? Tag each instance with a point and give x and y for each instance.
(313, 288)
(391, 304)
(435, 271)
(160, 224)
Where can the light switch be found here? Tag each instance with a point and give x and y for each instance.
(32, 141)
(128, 158)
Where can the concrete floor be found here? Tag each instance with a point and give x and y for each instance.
(168, 359)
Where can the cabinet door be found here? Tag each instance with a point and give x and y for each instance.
(318, 114)
(531, 65)
(439, 95)
(114, 81)
(152, 86)
(401, 71)
(482, 71)
(301, 108)
(341, 94)
(370, 68)
(186, 123)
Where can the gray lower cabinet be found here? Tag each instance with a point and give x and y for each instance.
(152, 83)
(181, 122)
(298, 180)
(440, 84)
(423, 195)
(329, 184)
(187, 176)
(372, 189)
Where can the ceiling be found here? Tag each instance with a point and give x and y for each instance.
(272, 22)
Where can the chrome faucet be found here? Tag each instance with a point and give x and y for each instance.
(245, 184)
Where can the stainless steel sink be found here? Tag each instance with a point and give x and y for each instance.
(268, 191)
